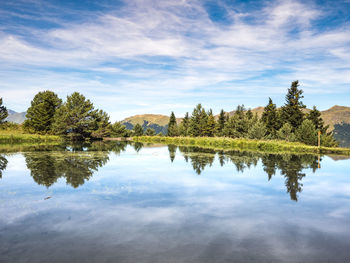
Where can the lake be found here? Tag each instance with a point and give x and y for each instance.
(120, 202)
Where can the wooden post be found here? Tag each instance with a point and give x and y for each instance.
(319, 139)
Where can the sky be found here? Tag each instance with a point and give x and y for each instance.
(145, 56)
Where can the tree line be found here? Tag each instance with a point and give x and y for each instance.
(78, 119)
(289, 123)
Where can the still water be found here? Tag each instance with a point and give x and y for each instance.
(151, 203)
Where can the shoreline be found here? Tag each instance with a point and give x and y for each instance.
(223, 143)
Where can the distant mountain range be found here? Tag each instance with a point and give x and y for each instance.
(16, 117)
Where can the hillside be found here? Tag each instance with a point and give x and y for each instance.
(16, 117)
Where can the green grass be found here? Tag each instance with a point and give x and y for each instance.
(10, 136)
(222, 143)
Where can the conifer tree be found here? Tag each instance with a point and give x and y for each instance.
(271, 119)
(211, 125)
(292, 110)
(3, 112)
(40, 115)
(315, 116)
(76, 118)
(183, 127)
(138, 130)
(150, 132)
(257, 131)
(306, 133)
(119, 130)
(195, 121)
(172, 125)
(286, 133)
(221, 123)
(103, 126)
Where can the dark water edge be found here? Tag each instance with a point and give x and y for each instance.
(129, 202)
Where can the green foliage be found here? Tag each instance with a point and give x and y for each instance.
(150, 132)
(119, 130)
(77, 119)
(40, 115)
(286, 133)
(198, 122)
(138, 130)
(315, 116)
(183, 127)
(172, 126)
(271, 119)
(328, 141)
(257, 131)
(103, 126)
(211, 125)
(221, 123)
(3, 112)
(307, 133)
(292, 110)
(237, 126)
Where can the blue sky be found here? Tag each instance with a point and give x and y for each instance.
(134, 57)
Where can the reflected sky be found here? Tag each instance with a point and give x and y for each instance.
(148, 204)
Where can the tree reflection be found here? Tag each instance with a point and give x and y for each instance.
(288, 165)
(76, 164)
(3, 164)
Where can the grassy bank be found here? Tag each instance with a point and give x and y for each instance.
(17, 136)
(270, 146)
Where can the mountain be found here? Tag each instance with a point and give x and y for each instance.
(158, 122)
(338, 118)
(16, 117)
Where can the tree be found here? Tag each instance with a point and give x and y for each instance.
(103, 126)
(183, 127)
(257, 131)
(138, 130)
(307, 133)
(150, 132)
(286, 133)
(3, 112)
(221, 123)
(271, 119)
(40, 115)
(76, 118)
(196, 122)
(211, 125)
(119, 130)
(315, 116)
(292, 110)
(238, 124)
(172, 125)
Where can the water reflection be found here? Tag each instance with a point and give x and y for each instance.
(289, 165)
(78, 162)
(3, 164)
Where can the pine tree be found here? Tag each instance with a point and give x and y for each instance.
(119, 130)
(172, 125)
(221, 123)
(257, 131)
(138, 130)
(306, 133)
(103, 126)
(183, 127)
(315, 116)
(40, 115)
(211, 125)
(3, 112)
(286, 133)
(271, 119)
(292, 110)
(76, 118)
(150, 132)
(195, 122)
